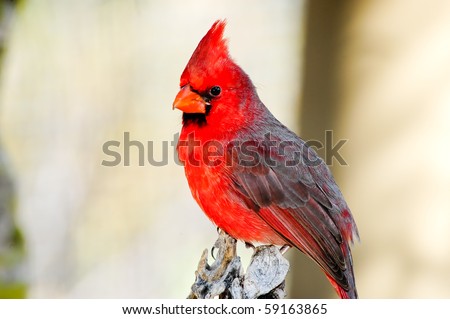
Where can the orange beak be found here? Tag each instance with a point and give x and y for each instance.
(189, 101)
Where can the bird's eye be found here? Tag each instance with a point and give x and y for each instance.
(215, 91)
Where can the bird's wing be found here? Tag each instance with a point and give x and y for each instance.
(294, 200)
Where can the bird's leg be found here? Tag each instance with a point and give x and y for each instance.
(216, 245)
(284, 249)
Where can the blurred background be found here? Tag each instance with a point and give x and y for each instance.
(77, 74)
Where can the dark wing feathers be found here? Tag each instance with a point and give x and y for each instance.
(292, 200)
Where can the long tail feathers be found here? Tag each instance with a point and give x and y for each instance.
(348, 292)
(343, 294)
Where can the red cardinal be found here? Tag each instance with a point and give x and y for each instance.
(252, 176)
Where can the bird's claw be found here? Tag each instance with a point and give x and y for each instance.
(249, 245)
(284, 249)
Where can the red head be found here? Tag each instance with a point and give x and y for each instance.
(213, 87)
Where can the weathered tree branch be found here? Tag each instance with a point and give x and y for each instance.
(225, 278)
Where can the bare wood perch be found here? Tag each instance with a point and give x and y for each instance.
(225, 278)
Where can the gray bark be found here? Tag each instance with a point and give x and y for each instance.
(225, 278)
